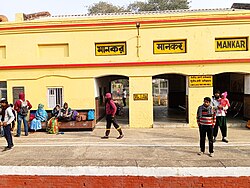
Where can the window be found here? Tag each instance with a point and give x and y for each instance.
(55, 97)
(3, 93)
(15, 92)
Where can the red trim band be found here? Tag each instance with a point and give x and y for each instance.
(126, 64)
(127, 23)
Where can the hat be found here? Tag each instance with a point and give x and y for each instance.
(108, 95)
(3, 100)
(224, 94)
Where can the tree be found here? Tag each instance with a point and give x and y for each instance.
(103, 7)
(158, 5)
(137, 6)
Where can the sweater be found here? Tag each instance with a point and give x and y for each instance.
(206, 116)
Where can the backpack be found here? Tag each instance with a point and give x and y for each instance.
(24, 108)
(52, 127)
(75, 114)
(91, 115)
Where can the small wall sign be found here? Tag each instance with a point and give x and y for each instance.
(140, 97)
(201, 81)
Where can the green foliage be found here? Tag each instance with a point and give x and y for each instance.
(103, 7)
(137, 6)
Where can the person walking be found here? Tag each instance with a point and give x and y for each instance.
(221, 120)
(22, 107)
(110, 117)
(7, 117)
(206, 120)
(124, 97)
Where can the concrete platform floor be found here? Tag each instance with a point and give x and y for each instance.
(156, 147)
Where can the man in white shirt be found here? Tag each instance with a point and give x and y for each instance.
(221, 120)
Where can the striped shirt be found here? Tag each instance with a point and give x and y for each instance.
(206, 116)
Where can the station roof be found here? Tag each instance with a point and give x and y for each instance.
(142, 13)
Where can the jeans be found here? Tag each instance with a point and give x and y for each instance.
(8, 136)
(2, 131)
(21, 118)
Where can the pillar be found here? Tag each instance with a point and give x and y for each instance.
(195, 99)
(140, 111)
(247, 96)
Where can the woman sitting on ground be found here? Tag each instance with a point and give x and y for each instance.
(66, 113)
(41, 115)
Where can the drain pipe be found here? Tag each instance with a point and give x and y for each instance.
(138, 38)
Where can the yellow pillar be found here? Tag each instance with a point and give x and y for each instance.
(195, 99)
(140, 111)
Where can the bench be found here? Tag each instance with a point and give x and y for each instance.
(235, 108)
(71, 125)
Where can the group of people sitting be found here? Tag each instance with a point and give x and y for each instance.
(64, 113)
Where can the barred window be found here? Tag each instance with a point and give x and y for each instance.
(55, 96)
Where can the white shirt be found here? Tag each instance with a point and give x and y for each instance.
(124, 94)
(9, 116)
(219, 112)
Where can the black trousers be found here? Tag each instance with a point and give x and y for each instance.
(8, 135)
(111, 120)
(124, 101)
(221, 121)
(206, 130)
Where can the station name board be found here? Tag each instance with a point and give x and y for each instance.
(201, 81)
(231, 44)
(140, 97)
(170, 46)
(110, 48)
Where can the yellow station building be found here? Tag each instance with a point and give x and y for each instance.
(74, 58)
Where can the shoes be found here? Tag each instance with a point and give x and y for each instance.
(211, 154)
(17, 135)
(120, 137)
(224, 140)
(104, 137)
(200, 153)
(7, 148)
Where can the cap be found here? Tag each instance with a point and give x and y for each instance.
(108, 95)
(3, 100)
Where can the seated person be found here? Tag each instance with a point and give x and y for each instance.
(66, 113)
(41, 115)
(56, 112)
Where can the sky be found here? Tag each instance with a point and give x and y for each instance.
(63, 7)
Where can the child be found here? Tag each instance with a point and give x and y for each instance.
(224, 101)
(206, 120)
